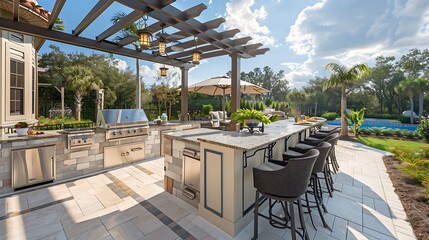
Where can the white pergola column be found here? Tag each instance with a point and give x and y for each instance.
(138, 86)
(235, 82)
(184, 94)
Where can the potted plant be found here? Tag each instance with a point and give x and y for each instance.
(249, 117)
(21, 128)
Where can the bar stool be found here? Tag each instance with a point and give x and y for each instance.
(321, 135)
(303, 148)
(284, 184)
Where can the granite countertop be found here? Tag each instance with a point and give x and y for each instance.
(171, 123)
(192, 135)
(5, 138)
(243, 140)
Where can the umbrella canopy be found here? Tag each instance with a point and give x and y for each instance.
(222, 85)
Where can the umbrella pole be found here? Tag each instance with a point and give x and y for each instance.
(223, 104)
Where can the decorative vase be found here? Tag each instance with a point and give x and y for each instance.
(21, 131)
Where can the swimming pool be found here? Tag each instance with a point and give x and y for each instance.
(380, 123)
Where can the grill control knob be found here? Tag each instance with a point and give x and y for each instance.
(120, 132)
(129, 131)
(114, 133)
(135, 130)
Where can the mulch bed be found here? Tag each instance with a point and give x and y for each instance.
(410, 194)
(412, 198)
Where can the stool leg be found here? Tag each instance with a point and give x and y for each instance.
(309, 210)
(292, 220)
(256, 213)
(301, 219)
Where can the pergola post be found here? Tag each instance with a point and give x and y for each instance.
(184, 94)
(138, 86)
(235, 82)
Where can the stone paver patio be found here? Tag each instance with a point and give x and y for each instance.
(130, 203)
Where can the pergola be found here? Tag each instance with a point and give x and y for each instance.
(194, 35)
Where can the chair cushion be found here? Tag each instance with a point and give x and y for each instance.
(221, 113)
(268, 166)
(214, 115)
(291, 154)
(302, 148)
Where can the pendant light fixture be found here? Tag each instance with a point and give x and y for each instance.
(163, 71)
(162, 41)
(144, 34)
(196, 55)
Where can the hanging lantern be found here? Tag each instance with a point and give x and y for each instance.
(196, 57)
(145, 36)
(163, 71)
(162, 46)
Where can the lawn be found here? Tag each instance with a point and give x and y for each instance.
(387, 144)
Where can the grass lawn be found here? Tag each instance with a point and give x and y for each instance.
(386, 144)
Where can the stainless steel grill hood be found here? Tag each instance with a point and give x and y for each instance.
(111, 118)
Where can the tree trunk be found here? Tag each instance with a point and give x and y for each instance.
(315, 109)
(344, 126)
(410, 95)
(420, 105)
(77, 104)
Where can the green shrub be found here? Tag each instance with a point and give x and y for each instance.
(409, 134)
(330, 115)
(377, 131)
(404, 119)
(423, 130)
(381, 115)
(398, 132)
(387, 132)
(207, 108)
(268, 102)
(366, 131)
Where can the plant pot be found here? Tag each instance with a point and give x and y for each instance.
(21, 131)
(252, 123)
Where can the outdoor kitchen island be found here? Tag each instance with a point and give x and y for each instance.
(212, 169)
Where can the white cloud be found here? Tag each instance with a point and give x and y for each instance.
(353, 32)
(120, 64)
(239, 14)
(210, 2)
(203, 61)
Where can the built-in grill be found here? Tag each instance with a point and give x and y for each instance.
(121, 126)
(123, 123)
(79, 137)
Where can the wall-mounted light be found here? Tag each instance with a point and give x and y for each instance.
(163, 71)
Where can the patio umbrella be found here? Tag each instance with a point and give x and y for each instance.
(221, 85)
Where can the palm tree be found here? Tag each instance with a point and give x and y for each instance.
(81, 80)
(131, 30)
(421, 85)
(344, 78)
(296, 97)
(408, 86)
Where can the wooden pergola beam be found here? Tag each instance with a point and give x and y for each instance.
(207, 48)
(157, 26)
(35, 31)
(121, 24)
(191, 43)
(16, 9)
(252, 48)
(59, 4)
(96, 11)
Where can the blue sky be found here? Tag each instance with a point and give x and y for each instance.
(303, 35)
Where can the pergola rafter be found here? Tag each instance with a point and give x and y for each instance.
(189, 35)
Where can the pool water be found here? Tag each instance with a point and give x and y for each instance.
(380, 123)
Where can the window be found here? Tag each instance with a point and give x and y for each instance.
(16, 87)
(16, 37)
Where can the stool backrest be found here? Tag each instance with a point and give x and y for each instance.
(324, 149)
(289, 181)
(333, 141)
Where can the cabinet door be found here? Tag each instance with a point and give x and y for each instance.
(32, 166)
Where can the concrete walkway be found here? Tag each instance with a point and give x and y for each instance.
(129, 203)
